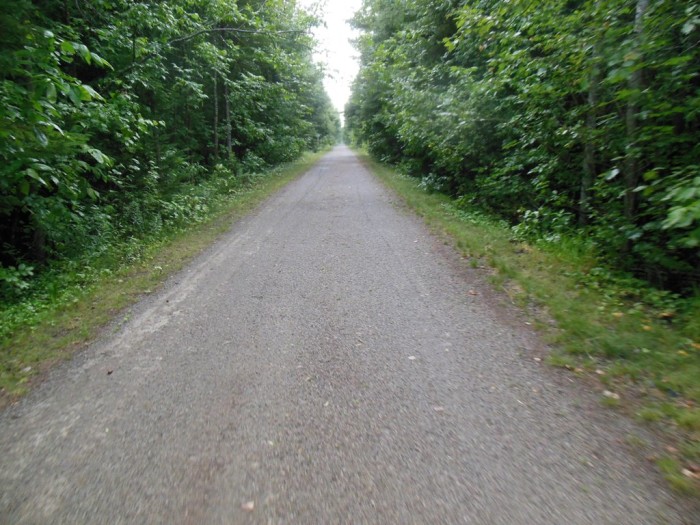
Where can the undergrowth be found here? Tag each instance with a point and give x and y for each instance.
(640, 343)
(56, 311)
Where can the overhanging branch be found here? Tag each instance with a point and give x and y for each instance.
(230, 30)
(185, 38)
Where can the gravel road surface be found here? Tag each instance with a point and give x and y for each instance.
(327, 361)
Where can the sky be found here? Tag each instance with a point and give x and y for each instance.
(334, 50)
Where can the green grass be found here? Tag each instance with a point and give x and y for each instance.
(672, 470)
(77, 302)
(637, 342)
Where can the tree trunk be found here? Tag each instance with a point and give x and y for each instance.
(188, 116)
(156, 131)
(216, 117)
(635, 85)
(589, 160)
(38, 243)
(227, 110)
(157, 137)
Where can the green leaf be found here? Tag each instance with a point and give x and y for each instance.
(67, 47)
(84, 52)
(97, 59)
(687, 194)
(75, 96)
(100, 157)
(87, 93)
(679, 217)
(612, 174)
(34, 175)
(677, 61)
(618, 75)
(41, 136)
(51, 92)
(52, 125)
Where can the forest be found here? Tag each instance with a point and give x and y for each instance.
(576, 118)
(120, 118)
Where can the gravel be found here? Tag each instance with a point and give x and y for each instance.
(327, 361)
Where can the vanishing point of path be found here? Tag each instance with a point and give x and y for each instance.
(327, 361)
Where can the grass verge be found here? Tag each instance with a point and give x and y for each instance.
(641, 346)
(75, 304)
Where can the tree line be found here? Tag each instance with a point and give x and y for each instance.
(566, 117)
(111, 109)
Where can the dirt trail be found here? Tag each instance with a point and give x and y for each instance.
(328, 361)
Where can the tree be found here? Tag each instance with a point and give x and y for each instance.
(581, 113)
(111, 107)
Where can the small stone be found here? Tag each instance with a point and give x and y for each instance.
(690, 474)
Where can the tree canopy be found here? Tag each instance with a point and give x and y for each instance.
(567, 116)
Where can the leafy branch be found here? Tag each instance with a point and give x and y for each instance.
(152, 54)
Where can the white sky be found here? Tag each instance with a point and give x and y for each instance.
(335, 51)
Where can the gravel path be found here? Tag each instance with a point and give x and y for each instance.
(328, 361)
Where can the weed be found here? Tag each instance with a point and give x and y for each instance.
(673, 472)
(636, 442)
(562, 361)
(690, 419)
(610, 402)
(650, 414)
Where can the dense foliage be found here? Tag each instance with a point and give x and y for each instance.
(578, 117)
(111, 110)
